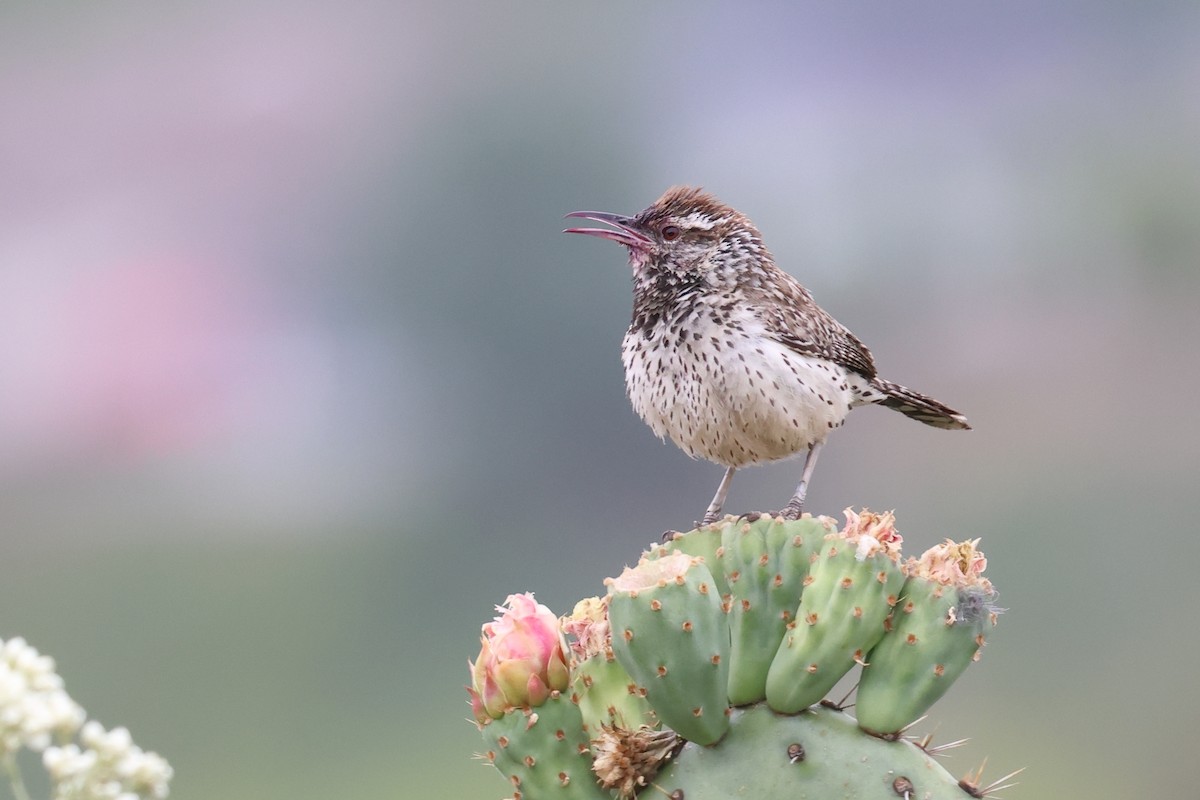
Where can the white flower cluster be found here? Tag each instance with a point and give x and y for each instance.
(111, 768)
(34, 708)
(35, 711)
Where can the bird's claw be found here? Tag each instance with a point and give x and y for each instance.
(792, 511)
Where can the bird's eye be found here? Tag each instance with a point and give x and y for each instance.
(670, 232)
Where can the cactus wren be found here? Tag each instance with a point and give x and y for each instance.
(728, 354)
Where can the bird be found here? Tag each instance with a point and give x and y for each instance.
(728, 355)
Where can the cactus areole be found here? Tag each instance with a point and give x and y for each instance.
(702, 674)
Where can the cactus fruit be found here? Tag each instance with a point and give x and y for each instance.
(849, 593)
(664, 688)
(670, 634)
(936, 630)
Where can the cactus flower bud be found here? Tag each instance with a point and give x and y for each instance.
(478, 710)
(521, 659)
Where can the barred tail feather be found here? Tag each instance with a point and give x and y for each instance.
(918, 406)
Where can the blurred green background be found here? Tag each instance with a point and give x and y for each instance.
(298, 377)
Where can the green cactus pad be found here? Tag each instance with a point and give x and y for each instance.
(765, 562)
(937, 631)
(703, 542)
(818, 754)
(544, 752)
(799, 542)
(670, 634)
(606, 694)
(840, 618)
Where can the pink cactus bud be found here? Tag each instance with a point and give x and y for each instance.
(521, 657)
(484, 682)
(536, 691)
(477, 709)
(558, 675)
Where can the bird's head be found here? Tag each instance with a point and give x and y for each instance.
(685, 231)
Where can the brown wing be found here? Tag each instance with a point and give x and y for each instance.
(794, 319)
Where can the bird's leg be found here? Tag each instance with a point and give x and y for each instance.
(714, 508)
(795, 506)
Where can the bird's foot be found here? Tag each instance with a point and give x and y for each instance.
(754, 516)
(793, 510)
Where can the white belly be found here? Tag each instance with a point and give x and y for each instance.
(733, 397)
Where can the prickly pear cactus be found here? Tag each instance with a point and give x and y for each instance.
(670, 634)
(935, 632)
(701, 675)
(849, 592)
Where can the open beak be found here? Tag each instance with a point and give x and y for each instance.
(621, 232)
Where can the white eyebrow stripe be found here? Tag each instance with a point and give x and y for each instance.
(698, 220)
